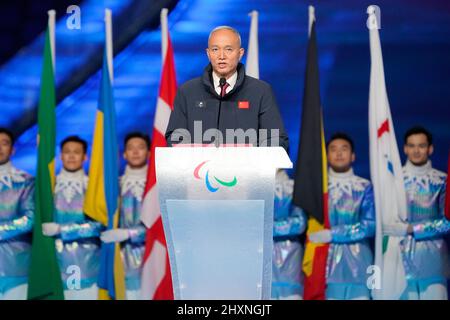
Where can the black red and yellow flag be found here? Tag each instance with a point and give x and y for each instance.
(311, 187)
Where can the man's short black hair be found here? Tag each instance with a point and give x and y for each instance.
(342, 136)
(8, 133)
(419, 130)
(137, 134)
(75, 139)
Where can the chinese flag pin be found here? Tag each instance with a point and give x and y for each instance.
(243, 105)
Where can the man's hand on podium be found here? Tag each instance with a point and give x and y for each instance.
(323, 236)
(115, 235)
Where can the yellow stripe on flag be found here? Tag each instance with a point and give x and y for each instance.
(313, 224)
(308, 258)
(95, 200)
(103, 294)
(51, 170)
(119, 273)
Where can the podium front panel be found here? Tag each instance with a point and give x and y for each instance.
(218, 248)
(217, 211)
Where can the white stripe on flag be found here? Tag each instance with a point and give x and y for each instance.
(153, 271)
(162, 116)
(150, 211)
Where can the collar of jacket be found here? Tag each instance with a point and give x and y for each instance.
(418, 170)
(209, 83)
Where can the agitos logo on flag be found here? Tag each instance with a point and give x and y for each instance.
(208, 184)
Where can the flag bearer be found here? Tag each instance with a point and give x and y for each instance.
(425, 253)
(16, 220)
(77, 236)
(352, 219)
(289, 224)
(131, 231)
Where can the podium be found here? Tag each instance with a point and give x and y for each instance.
(217, 212)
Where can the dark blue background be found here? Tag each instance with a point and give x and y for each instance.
(415, 39)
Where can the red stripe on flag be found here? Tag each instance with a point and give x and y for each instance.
(157, 141)
(168, 86)
(384, 128)
(164, 290)
(315, 284)
(326, 218)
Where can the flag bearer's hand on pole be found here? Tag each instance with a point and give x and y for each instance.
(323, 236)
(397, 229)
(51, 229)
(115, 235)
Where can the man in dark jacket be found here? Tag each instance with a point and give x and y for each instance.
(225, 105)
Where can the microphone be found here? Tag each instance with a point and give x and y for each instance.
(222, 82)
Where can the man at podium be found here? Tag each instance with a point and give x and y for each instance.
(224, 105)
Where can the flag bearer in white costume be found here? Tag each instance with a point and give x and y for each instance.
(77, 236)
(352, 219)
(425, 253)
(289, 223)
(16, 222)
(131, 231)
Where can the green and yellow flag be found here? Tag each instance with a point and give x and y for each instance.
(44, 277)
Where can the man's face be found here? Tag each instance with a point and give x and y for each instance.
(136, 153)
(340, 155)
(6, 148)
(417, 149)
(224, 52)
(73, 156)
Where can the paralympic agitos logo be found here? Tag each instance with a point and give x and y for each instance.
(208, 184)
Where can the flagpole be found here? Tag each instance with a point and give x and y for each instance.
(252, 63)
(51, 35)
(311, 18)
(109, 44)
(377, 293)
(51, 31)
(164, 33)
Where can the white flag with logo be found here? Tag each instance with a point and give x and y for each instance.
(386, 174)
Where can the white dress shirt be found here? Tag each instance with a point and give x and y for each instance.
(231, 82)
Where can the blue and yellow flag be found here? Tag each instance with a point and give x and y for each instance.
(102, 195)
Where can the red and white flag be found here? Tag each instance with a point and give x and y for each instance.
(156, 283)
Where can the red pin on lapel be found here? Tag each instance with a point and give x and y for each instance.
(243, 105)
